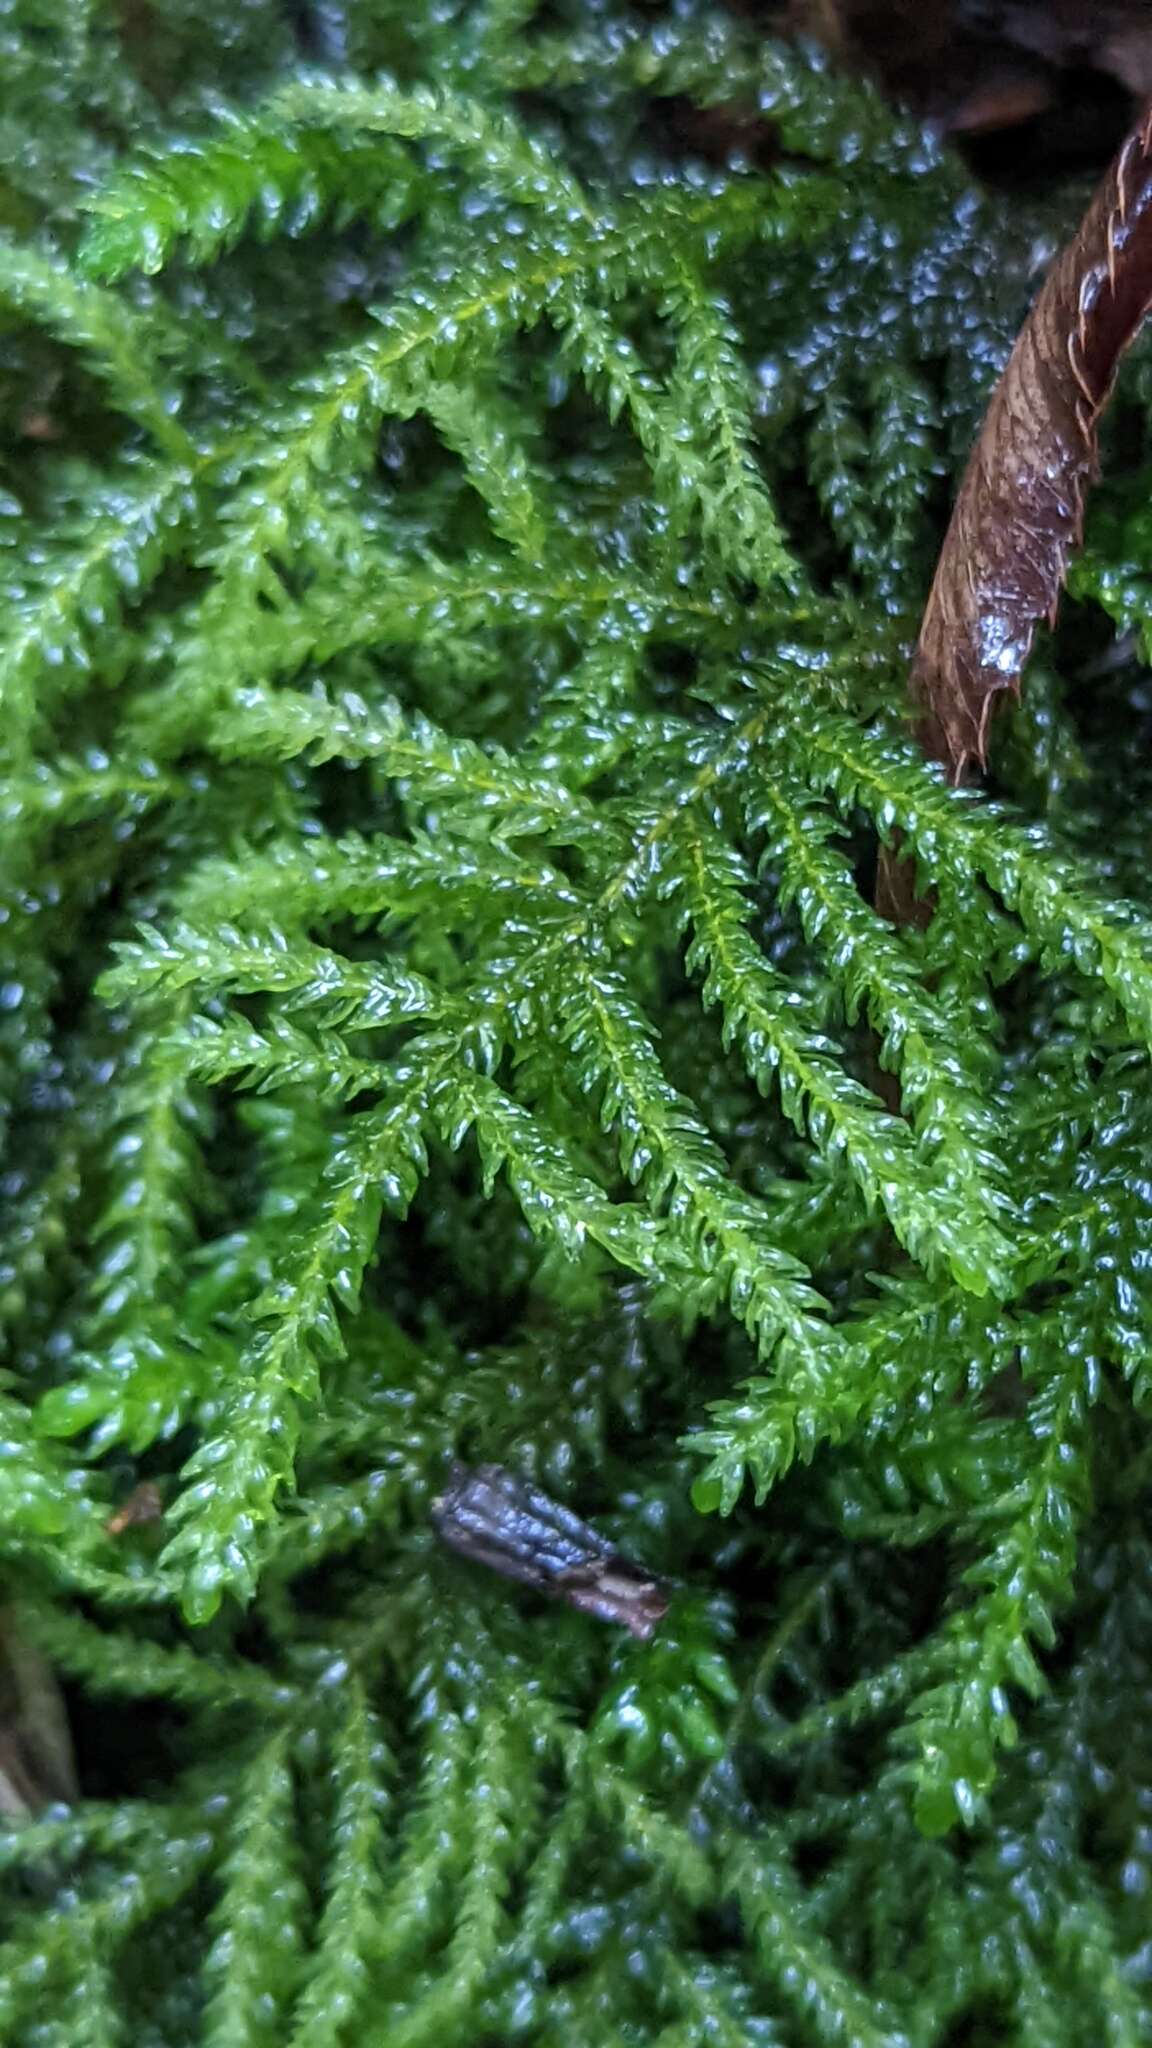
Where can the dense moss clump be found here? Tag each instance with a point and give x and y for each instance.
(463, 523)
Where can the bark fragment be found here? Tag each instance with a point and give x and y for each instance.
(490, 1516)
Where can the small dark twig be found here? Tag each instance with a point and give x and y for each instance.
(490, 1516)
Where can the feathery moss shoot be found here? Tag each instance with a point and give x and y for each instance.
(462, 531)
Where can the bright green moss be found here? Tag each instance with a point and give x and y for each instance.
(458, 556)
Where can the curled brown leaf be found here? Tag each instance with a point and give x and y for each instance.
(1021, 501)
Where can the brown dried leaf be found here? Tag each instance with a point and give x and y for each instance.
(1021, 502)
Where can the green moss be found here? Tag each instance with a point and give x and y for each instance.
(458, 551)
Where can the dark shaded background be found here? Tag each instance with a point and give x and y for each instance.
(1028, 88)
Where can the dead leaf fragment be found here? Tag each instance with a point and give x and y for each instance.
(1021, 501)
(144, 1504)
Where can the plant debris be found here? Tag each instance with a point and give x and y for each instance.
(1021, 501)
(491, 1516)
